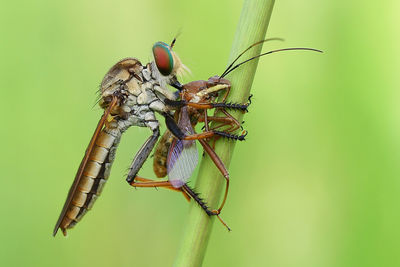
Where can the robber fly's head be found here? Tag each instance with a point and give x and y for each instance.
(168, 62)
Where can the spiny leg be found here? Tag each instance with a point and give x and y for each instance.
(181, 103)
(203, 205)
(212, 133)
(177, 132)
(221, 167)
(224, 121)
(222, 105)
(229, 119)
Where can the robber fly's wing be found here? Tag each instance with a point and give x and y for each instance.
(182, 156)
(82, 166)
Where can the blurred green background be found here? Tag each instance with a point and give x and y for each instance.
(315, 184)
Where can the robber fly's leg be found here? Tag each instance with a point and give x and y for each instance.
(203, 205)
(141, 180)
(144, 151)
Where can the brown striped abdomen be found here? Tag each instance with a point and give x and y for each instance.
(95, 174)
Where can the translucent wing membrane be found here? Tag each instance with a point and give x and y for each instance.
(182, 155)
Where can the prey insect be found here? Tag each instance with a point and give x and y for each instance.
(178, 158)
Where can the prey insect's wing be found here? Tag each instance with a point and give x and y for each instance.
(182, 156)
(82, 166)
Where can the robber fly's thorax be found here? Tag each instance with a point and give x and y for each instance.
(140, 90)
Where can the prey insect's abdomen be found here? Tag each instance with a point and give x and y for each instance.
(94, 176)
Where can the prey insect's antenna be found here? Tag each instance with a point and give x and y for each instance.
(270, 52)
(247, 49)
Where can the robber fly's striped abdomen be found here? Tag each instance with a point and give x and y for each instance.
(95, 174)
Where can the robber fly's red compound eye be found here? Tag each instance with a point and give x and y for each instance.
(163, 57)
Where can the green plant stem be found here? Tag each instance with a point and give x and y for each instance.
(210, 183)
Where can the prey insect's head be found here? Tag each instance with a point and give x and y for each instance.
(167, 61)
(204, 91)
(218, 80)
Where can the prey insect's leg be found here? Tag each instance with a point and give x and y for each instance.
(203, 205)
(228, 89)
(205, 118)
(212, 133)
(177, 132)
(234, 122)
(222, 105)
(181, 103)
(221, 167)
(228, 119)
(225, 121)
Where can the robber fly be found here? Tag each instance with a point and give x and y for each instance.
(177, 157)
(131, 93)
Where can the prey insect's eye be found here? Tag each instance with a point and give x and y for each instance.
(163, 58)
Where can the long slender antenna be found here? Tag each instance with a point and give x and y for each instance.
(247, 49)
(270, 52)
